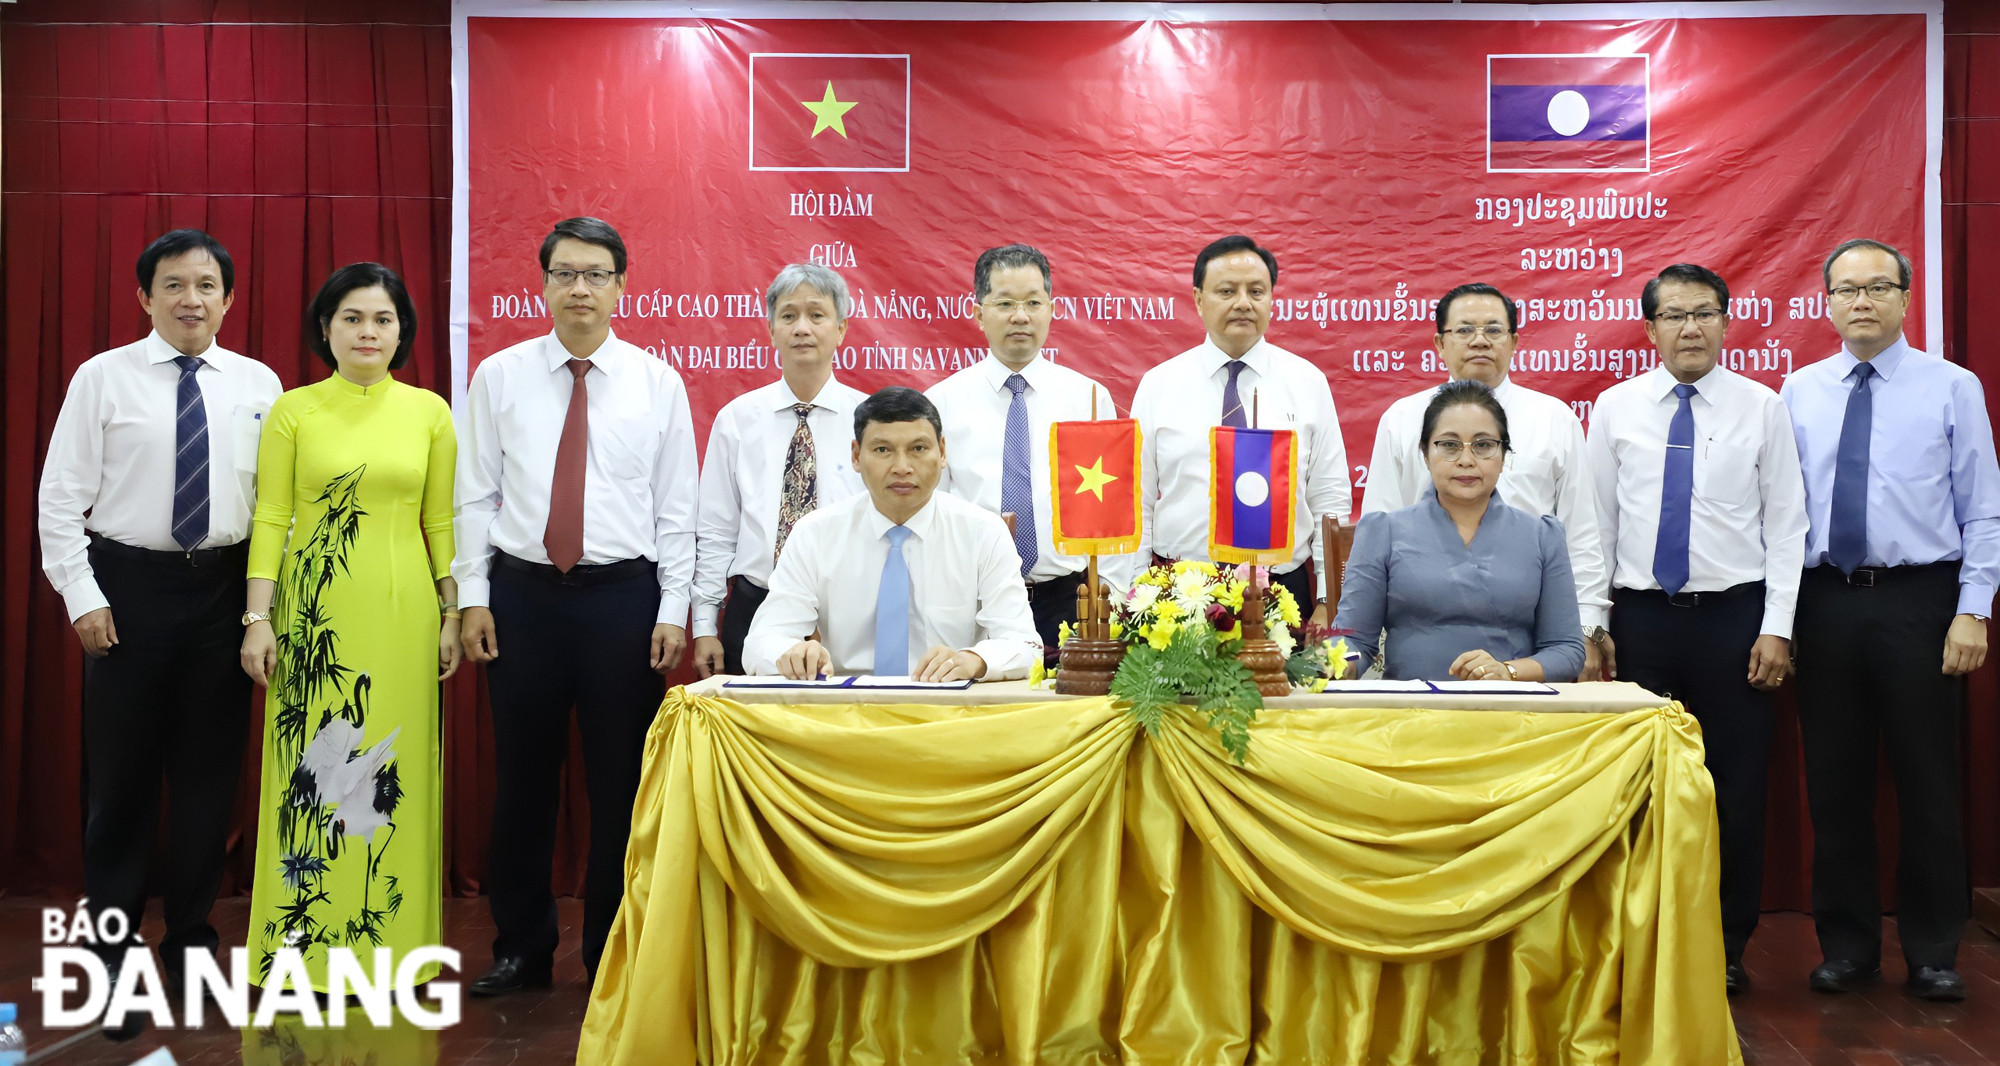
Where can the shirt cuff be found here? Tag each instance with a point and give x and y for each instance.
(1592, 615)
(704, 622)
(83, 596)
(1975, 599)
(673, 609)
(1005, 660)
(1777, 623)
(474, 592)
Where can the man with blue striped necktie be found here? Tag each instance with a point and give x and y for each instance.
(903, 581)
(997, 413)
(145, 514)
(1702, 515)
(1902, 560)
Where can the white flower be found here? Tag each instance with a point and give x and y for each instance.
(1282, 637)
(1191, 586)
(1141, 598)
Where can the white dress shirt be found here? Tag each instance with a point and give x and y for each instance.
(973, 404)
(640, 477)
(1747, 518)
(110, 465)
(1545, 474)
(965, 588)
(743, 481)
(1181, 399)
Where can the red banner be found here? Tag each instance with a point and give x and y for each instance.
(1565, 158)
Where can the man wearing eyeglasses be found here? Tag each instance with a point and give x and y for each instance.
(1903, 555)
(1545, 474)
(576, 494)
(1702, 514)
(996, 414)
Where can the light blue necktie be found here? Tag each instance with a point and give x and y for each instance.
(1670, 552)
(1017, 492)
(1847, 519)
(892, 610)
(190, 526)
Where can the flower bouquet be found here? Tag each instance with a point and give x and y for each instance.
(1185, 627)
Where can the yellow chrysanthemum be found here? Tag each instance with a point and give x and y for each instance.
(1162, 634)
(1117, 630)
(1063, 633)
(1036, 673)
(1318, 684)
(1337, 659)
(1166, 611)
(1288, 608)
(1230, 594)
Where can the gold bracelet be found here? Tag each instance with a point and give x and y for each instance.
(451, 614)
(1509, 667)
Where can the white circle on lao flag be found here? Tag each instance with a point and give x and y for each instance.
(1569, 112)
(1252, 489)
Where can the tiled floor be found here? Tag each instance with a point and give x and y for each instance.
(1781, 1023)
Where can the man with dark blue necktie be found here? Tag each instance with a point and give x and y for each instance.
(1902, 560)
(1703, 519)
(997, 414)
(145, 513)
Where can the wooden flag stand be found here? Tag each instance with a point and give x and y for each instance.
(1090, 658)
(1260, 653)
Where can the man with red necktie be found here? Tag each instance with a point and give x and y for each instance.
(576, 533)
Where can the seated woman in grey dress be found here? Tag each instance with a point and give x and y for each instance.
(1466, 586)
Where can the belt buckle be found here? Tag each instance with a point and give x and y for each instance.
(1862, 578)
(1684, 599)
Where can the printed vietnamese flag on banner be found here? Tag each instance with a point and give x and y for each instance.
(1094, 467)
(829, 112)
(1252, 472)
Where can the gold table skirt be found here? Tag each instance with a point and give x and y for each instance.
(916, 883)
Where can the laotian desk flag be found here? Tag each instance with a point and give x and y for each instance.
(1574, 113)
(1094, 467)
(829, 112)
(1252, 472)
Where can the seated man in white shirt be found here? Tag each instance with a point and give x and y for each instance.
(901, 569)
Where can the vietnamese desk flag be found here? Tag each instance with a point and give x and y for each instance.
(829, 112)
(1252, 472)
(1567, 113)
(1094, 468)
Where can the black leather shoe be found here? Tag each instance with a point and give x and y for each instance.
(1843, 975)
(1937, 983)
(510, 974)
(1735, 977)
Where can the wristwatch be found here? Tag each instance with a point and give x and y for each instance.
(250, 617)
(1594, 634)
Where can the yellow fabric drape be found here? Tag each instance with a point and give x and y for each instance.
(1035, 883)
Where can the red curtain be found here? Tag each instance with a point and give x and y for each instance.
(304, 136)
(308, 135)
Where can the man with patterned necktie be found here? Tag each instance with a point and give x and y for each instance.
(576, 515)
(997, 413)
(774, 454)
(145, 514)
(901, 581)
(1902, 560)
(1703, 517)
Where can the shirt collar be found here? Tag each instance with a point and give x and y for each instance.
(1885, 362)
(159, 351)
(1213, 359)
(558, 356)
(996, 372)
(919, 523)
(787, 399)
(1662, 385)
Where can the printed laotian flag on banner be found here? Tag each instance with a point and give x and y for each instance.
(1252, 472)
(1094, 467)
(1574, 113)
(829, 112)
